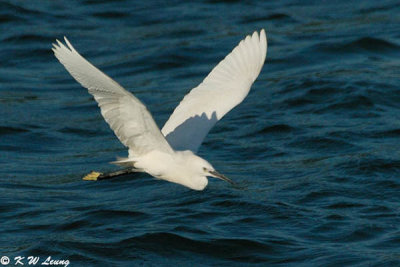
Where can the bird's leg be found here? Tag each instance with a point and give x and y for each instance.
(94, 176)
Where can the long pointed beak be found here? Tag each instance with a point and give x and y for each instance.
(221, 176)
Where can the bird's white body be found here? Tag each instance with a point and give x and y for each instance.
(169, 154)
(181, 167)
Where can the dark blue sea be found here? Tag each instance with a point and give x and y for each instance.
(314, 146)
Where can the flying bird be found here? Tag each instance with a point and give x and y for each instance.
(170, 154)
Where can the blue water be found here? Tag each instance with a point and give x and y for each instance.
(315, 145)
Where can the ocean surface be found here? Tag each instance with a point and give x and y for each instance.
(314, 146)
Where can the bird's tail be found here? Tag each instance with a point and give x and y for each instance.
(124, 162)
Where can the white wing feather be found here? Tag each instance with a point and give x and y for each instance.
(224, 88)
(130, 120)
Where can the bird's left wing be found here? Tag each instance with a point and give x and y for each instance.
(130, 120)
(224, 88)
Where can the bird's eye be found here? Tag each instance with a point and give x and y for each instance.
(204, 169)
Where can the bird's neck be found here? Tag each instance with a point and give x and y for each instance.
(173, 167)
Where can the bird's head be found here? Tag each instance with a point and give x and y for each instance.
(202, 168)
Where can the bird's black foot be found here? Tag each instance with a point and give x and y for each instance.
(95, 176)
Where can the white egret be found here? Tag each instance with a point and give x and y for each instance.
(169, 154)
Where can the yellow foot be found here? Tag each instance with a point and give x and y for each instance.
(92, 176)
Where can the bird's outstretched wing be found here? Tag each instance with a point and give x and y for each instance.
(127, 116)
(224, 88)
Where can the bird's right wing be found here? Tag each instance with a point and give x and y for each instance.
(224, 88)
(130, 120)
